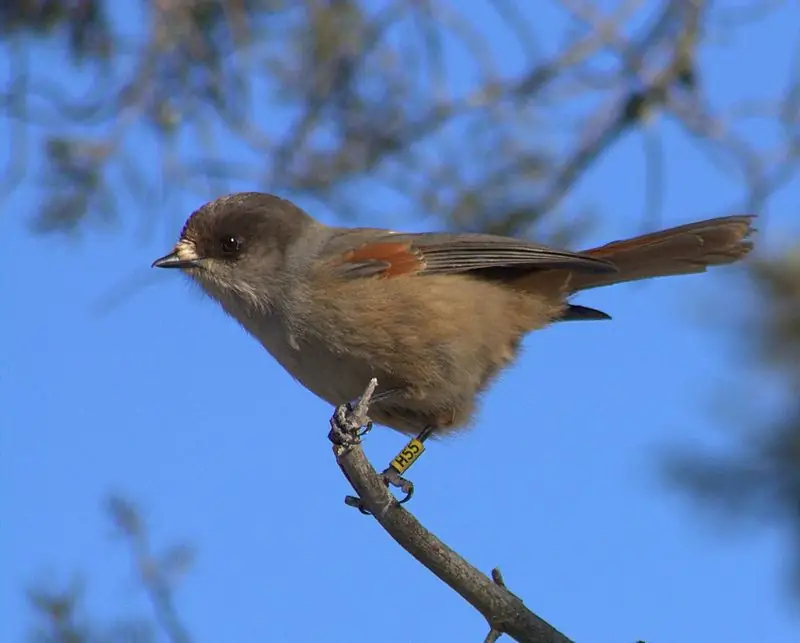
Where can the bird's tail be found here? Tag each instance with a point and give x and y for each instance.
(681, 250)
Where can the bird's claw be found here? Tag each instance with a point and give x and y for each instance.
(348, 426)
(393, 474)
(350, 423)
(354, 501)
(393, 479)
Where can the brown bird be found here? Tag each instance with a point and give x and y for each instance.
(433, 316)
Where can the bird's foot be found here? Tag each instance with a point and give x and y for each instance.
(346, 427)
(350, 422)
(392, 478)
(393, 474)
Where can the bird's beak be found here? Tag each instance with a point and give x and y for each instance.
(183, 256)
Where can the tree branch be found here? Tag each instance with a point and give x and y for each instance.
(504, 611)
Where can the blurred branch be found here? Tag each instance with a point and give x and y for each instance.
(755, 476)
(504, 611)
(363, 95)
(58, 616)
(155, 573)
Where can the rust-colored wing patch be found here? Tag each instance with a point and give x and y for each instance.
(386, 259)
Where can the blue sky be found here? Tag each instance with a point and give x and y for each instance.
(167, 401)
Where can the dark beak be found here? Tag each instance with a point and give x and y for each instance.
(172, 260)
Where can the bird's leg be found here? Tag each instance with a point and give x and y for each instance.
(350, 423)
(402, 462)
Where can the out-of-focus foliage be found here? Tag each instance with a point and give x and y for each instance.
(360, 94)
(60, 618)
(756, 478)
(59, 614)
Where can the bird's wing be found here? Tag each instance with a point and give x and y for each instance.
(362, 252)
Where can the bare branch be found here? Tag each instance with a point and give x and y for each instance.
(504, 611)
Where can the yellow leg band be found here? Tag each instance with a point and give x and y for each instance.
(408, 456)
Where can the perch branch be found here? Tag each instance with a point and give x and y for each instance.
(504, 611)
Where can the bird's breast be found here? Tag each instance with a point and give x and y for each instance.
(308, 360)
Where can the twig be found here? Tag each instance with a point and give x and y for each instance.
(154, 580)
(498, 579)
(504, 612)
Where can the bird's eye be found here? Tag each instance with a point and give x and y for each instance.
(230, 245)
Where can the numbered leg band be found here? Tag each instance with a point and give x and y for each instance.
(408, 456)
(411, 452)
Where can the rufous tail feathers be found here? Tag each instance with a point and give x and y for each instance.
(681, 250)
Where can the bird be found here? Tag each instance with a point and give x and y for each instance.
(434, 316)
